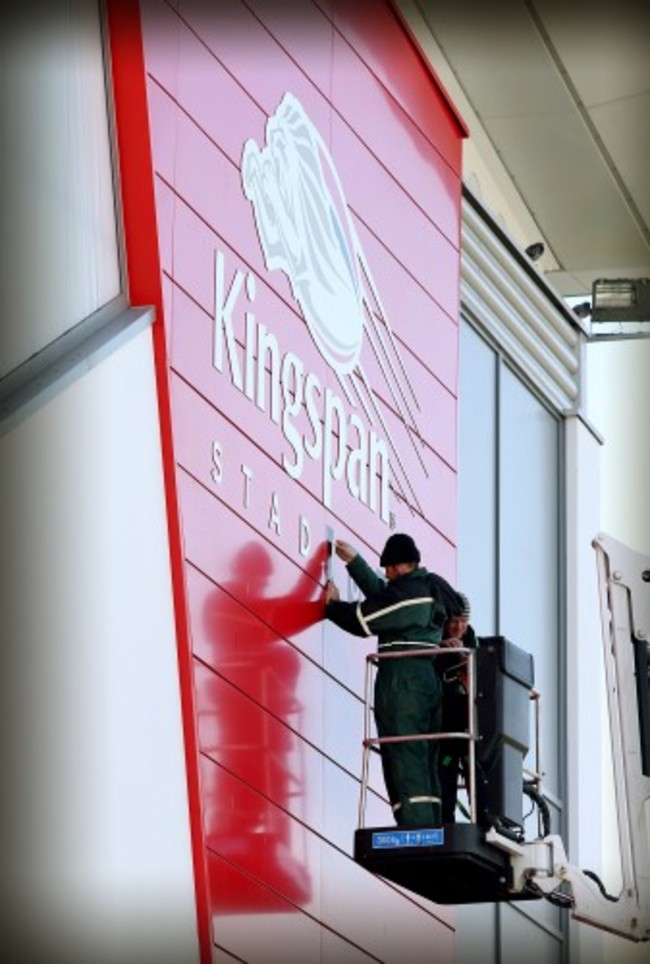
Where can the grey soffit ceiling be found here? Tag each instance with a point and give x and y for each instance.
(562, 90)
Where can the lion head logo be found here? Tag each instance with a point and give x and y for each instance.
(306, 231)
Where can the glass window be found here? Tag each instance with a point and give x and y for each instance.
(529, 547)
(477, 479)
(509, 521)
(509, 552)
(58, 239)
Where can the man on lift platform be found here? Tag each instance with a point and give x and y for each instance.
(406, 611)
(489, 858)
(463, 862)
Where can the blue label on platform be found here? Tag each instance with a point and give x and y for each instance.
(392, 839)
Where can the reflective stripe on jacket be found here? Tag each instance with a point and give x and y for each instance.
(400, 611)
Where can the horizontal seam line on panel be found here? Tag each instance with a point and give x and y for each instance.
(280, 806)
(228, 951)
(303, 487)
(246, 522)
(393, 98)
(279, 720)
(292, 304)
(335, 515)
(213, 230)
(322, 95)
(263, 621)
(316, 833)
(370, 70)
(215, 495)
(252, 441)
(408, 428)
(193, 120)
(236, 426)
(287, 900)
(351, 208)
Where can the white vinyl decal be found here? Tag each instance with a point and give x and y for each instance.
(306, 230)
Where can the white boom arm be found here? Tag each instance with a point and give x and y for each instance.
(624, 582)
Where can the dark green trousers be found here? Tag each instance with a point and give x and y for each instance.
(408, 701)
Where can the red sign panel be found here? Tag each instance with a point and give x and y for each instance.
(306, 170)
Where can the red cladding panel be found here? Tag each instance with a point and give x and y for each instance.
(144, 277)
(306, 177)
(370, 28)
(295, 874)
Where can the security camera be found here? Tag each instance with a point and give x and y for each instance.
(535, 251)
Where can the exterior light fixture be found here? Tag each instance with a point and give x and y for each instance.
(620, 308)
(621, 299)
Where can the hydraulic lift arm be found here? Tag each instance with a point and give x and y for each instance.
(542, 865)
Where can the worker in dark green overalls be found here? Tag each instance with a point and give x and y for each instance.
(454, 753)
(406, 611)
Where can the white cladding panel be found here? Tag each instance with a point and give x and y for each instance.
(518, 314)
(96, 836)
(618, 404)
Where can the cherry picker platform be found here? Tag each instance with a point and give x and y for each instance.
(488, 858)
(466, 862)
(451, 864)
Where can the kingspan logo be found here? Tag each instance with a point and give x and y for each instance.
(306, 230)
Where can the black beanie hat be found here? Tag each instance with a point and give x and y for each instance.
(399, 548)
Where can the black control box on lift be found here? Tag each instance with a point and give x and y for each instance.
(505, 677)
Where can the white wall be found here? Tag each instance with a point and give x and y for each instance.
(618, 404)
(586, 758)
(95, 845)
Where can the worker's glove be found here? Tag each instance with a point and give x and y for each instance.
(344, 550)
(331, 592)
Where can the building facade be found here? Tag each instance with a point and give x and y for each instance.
(249, 306)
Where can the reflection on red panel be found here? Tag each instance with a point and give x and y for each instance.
(226, 880)
(274, 932)
(287, 677)
(254, 828)
(250, 579)
(251, 831)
